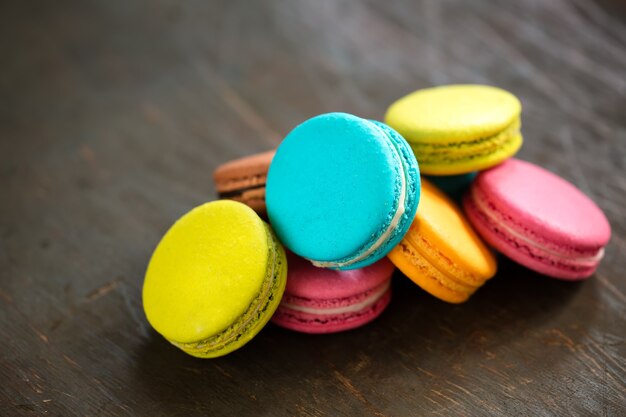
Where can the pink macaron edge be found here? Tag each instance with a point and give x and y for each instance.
(529, 238)
(330, 323)
(315, 297)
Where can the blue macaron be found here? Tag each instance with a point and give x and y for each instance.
(342, 191)
(453, 185)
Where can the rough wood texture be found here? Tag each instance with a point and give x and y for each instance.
(113, 115)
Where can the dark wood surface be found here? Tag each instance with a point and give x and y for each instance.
(113, 115)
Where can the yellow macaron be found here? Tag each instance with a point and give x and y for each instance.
(456, 129)
(215, 279)
(441, 253)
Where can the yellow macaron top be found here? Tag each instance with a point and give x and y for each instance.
(206, 271)
(453, 113)
(440, 222)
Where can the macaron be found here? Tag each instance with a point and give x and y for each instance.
(214, 279)
(453, 185)
(456, 129)
(441, 252)
(342, 191)
(320, 300)
(244, 180)
(538, 219)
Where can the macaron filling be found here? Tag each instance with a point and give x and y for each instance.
(250, 318)
(462, 151)
(544, 252)
(391, 226)
(337, 306)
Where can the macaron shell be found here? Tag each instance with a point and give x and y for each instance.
(255, 199)
(453, 113)
(453, 185)
(318, 294)
(316, 324)
(477, 163)
(255, 319)
(426, 276)
(441, 252)
(538, 219)
(542, 205)
(244, 180)
(206, 271)
(243, 172)
(307, 281)
(334, 187)
(412, 194)
(520, 251)
(445, 227)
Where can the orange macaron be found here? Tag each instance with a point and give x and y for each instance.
(441, 252)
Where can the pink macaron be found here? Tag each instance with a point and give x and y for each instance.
(538, 219)
(319, 300)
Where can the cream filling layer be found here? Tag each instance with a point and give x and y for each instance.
(390, 228)
(485, 210)
(372, 299)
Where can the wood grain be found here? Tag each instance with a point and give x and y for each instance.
(114, 114)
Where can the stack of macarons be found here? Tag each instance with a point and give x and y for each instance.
(465, 137)
(309, 235)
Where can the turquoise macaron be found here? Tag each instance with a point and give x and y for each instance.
(342, 191)
(453, 185)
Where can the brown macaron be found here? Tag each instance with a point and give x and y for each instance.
(244, 179)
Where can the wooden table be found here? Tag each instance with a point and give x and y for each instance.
(113, 115)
